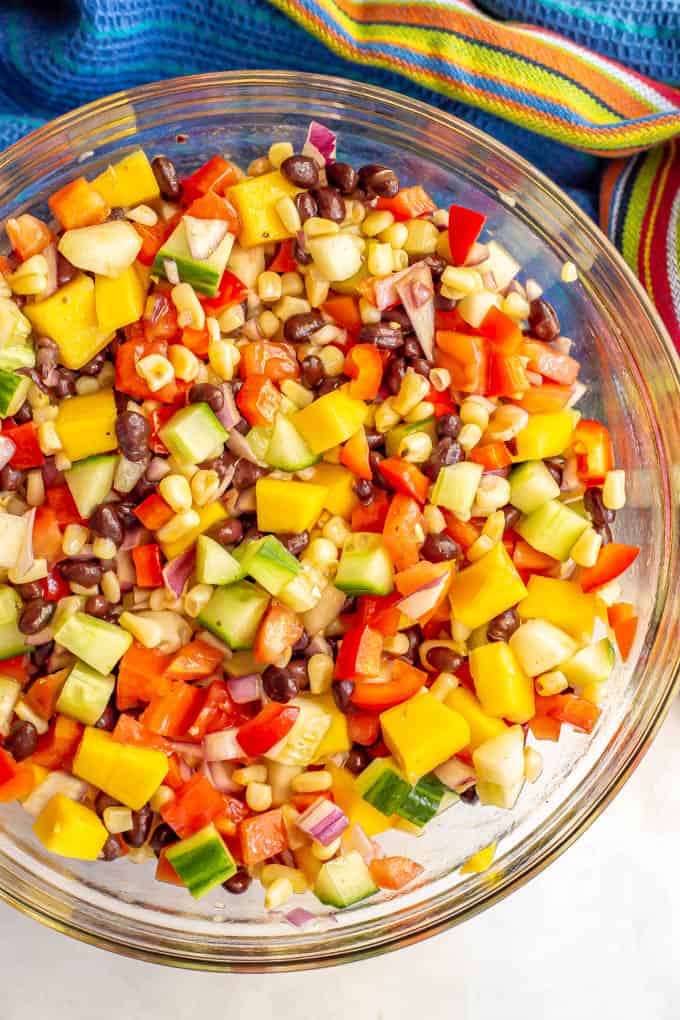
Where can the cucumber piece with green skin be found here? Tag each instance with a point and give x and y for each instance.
(590, 665)
(268, 562)
(203, 274)
(423, 800)
(17, 356)
(258, 439)
(202, 861)
(214, 565)
(12, 641)
(10, 604)
(553, 529)
(365, 566)
(395, 436)
(98, 643)
(532, 485)
(344, 881)
(456, 487)
(233, 614)
(382, 785)
(85, 694)
(194, 433)
(13, 390)
(90, 481)
(287, 449)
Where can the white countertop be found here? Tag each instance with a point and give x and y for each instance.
(596, 935)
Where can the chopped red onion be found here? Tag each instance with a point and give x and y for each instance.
(240, 447)
(191, 753)
(323, 821)
(220, 776)
(385, 289)
(416, 291)
(356, 839)
(177, 571)
(244, 689)
(223, 746)
(456, 774)
(7, 451)
(229, 414)
(489, 280)
(251, 330)
(478, 253)
(158, 468)
(320, 143)
(41, 638)
(171, 271)
(133, 537)
(299, 917)
(424, 599)
(125, 570)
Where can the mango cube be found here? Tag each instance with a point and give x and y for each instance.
(70, 829)
(330, 420)
(502, 687)
(482, 726)
(119, 301)
(422, 733)
(87, 425)
(288, 506)
(128, 182)
(341, 498)
(69, 317)
(336, 739)
(562, 603)
(480, 861)
(545, 435)
(255, 202)
(486, 588)
(353, 804)
(209, 515)
(130, 774)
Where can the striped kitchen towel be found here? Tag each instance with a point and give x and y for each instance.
(567, 83)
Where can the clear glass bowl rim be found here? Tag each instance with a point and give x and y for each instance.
(399, 932)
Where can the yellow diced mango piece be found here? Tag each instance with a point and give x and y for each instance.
(545, 435)
(330, 420)
(341, 498)
(479, 861)
(209, 515)
(486, 588)
(562, 603)
(69, 317)
(130, 774)
(503, 688)
(255, 200)
(119, 301)
(128, 182)
(288, 506)
(336, 739)
(482, 726)
(357, 809)
(422, 733)
(308, 863)
(87, 425)
(70, 829)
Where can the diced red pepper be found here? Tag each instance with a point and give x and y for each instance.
(405, 681)
(624, 632)
(141, 676)
(43, 694)
(57, 747)
(466, 358)
(544, 359)
(154, 512)
(283, 261)
(147, 561)
(403, 522)
(380, 612)
(152, 239)
(405, 477)
(258, 400)
(157, 418)
(262, 836)
(28, 235)
(465, 226)
(545, 398)
(567, 708)
(592, 445)
(612, 560)
(462, 532)
(364, 366)
(502, 332)
(450, 320)
(344, 310)
(215, 207)
(267, 358)
(172, 714)
(47, 535)
(408, 203)
(269, 726)
(216, 175)
(219, 712)
(194, 806)
(195, 661)
(278, 631)
(78, 204)
(54, 587)
(19, 786)
(129, 730)
(8, 766)
(28, 453)
(441, 401)
(360, 654)
(128, 379)
(363, 728)
(507, 375)
(544, 727)
(371, 517)
(492, 456)
(229, 292)
(59, 498)
(355, 455)
(394, 872)
(165, 871)
(528, 559)
(16, 668)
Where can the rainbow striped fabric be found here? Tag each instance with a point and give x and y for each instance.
(568, 83)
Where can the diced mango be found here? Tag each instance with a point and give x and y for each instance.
(422, 733)
(69, 317)
(561, 603)
(255, 202)
(545, 435)
(482, 726)
(283, 505)
(486, 588)
(341, 498)
(128, 182)
(336, 739)
(70, 829)
(308, 863)
(355, 807)
(502, 687)
(209, 515)
(479, 861)
(130, 774)
(119, 301)
(87, 425)
(330, 420)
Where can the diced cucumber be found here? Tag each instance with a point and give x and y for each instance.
(234, 613)
(553, 529)
(344, 881)
(15, 356)
(365, 566)
(532, 485)
(96, 642)
(423, 800)
(90, 481)
(590, 665)
(12, 641)
(194, 433)
(395, 436)
(12, 536)
(13, 390)
(203, 274)
(10, 604)
(258, 439)
(287, 449)
(383, 785)
(456, 487)
(268, 562)
(301, 743)
(214, 565)
(85, 694)
(202, 861)
(539, 646)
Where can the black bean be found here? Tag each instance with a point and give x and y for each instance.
(342, 176)
(374, 438)
(144, 488)
(302, 643)
(133, 432)
(97, 605)
(382, 334)
(30, 591)
(449, 425)
(556, 468)
(605, 532)
(12, 479)
(300, 253)
(399, 316)
(294, 541)
(22, 739)
(65, 270)
(65, 385)
(358, 759)
(470, 795)
(364, 491)
(40, 656)
(447, 451)
(437, 265)
(238, 883)
(412, 348)
(305, 204)
(512, 515)
(414, 635)
(279, 684)
(342, 694)
(443, 659)
(95, 365)
(141, 826)
(441, 303)
(379, 179)
(111, 850)
(440, 548)
(374, 459)
(117, 213)
(106, 522)
(301, 171)
(24, 414)
(420, 366)
(227, 532)
(246, 474)
(543, 321)
(104, 801)
(166, 177)
(600, 514)
(330, 204)
(86, 573)
(108, 719)
(394, 374)
(299, 328)
(503, 626)
(36, 615)
(349, 605)
(46, 356)
(330, 384)
(298, 669)
(126, 513)
(312, 371)
(162, 836)
(206, 393)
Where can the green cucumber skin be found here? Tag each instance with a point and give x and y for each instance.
(344, 881)
(423, 800)
(365, 566)
(12, 641)
(202, 861)
(287, 450)
(9, 384)
(234, 613)
(193, 433)
(532, 485)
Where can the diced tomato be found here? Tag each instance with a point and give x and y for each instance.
(15, 668)
(363, 728)
(492, 456)
(147, 561)
(172, 714)
(57, 747)
(355, 455)
(219, 712)
(154, 512)
(278, 631)
(25, 438)
(160, 318)
(229, 292)
(43, 694)
(567, 708)
(269, 726)
(59, 498)
(78, 204)
(592, 445)
(141, 676)
(405, 681)
(364, 366)
(194, 806)
(54, 587)
(408, 203)
(283, 261)
(466, 358)
(274, 360)
(216, 175)
(405, 477)
(371, 517)
(465, 226)
(548, 362)
(360, 654)
(128, 379)
(612, 560)
(258, 400)
(262, 836)
(194, 661)
(28, 235)
(129, 730)
(215, 207)
(403, 524)
(394, 872)
(47, 535)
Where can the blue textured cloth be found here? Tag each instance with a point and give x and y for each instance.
(57, 55)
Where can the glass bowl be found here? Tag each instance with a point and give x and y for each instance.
(632, 370)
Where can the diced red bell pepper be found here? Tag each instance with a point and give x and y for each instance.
(364, 366)
(592, 445)
(147, 561)
(267, 358)
(16, 668)
(78, 204)
(19, 786)
(158, 418)
(8, 766)
(544, 727)
(360, 654)
(405, 681)
(269, 726)
(47, 535)
(219, 712)
(283, 261)
(619, 613)
(28, 453)
(28, 235)
(403, 523)
(442, 402)
(129, 730)
(492, 456)
(141, 676)
(466, 358)
(612, 560)
(57, 747)
(43, 694)
(344, 310)
(278, 631)
(160, 318)
(380, 612)
(262, 836)
(128, 380)
(528, 559)
(355, 455)
(172, 714)
(196, 340)
(258, 400)
(567, 708)
(371, 517)
(545, 398)
(408, 203)
(215, 207)
(165, 871)
(507, 375)
(195, 661)
(394, 872)
(405, 477)
(462, 532)
(194, 806)
(216, 175)
(60, 499)
(54, 587)
(465, 226)
(624, 632)
(502, 332)
(544, 359)
(152, 239)
(450, 320)
(154, 512)
(229, 292)
(363, 728)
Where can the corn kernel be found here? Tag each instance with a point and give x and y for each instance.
(398, 644)
(480, 548)
(494, 526)
(176, 492)
(424, 409)
(614, 490)
(316, 287)
(586, 549)
(395, 235)
(162, 795)
(474, 413)
(117, 819)
(355, 212)
(368, 313)
(42, 414)
(469, 436)
(292, 284)
(376, 222)
(158, 599)
(110, 586)
(184, 362)
(569, 273)
(443, 247)
(516, 306)
(48, 438)
(386, 416)
(325, 853)
(205, 485)
(492, 493)
(35, 488)
(440, 218)
(258, 796)
(336, 531)
(223, 356)
(288, 214)
(196, 599)
(440, 379)
(86, 384)
(37, 397)
(269, 286)
(533, 764)
(24, 712)
(296, 393)
(379, 259)
(278, 893)
(74, 538)
(288, 306)
(464, 281)
(413, 389)
(318, 226)
(250, 774)
(506, 422)
(156, 371)
(312, 782)
(320, 552)
(416, 447)
(435, 522)
(259, 166)
(443, 685)
(332, 359)
(399, 260)
(421, 237)
(229, 320)
(189, 309)
(143, 214)
(271, 872)
(30, 277)
(320, 673)
(278, 152)
(550, 683)
(179, 526)
(147, 632)
(104, 548)
(268, 323)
